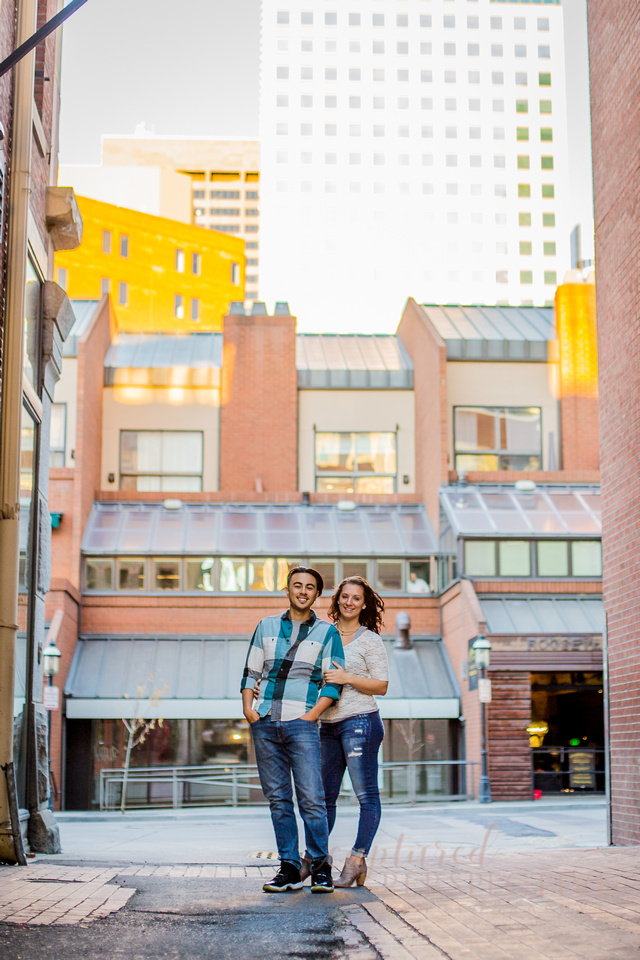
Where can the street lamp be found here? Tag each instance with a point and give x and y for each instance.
(482, 650)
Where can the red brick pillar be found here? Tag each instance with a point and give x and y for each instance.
(508, 716)
(259, 414)
(578, 360)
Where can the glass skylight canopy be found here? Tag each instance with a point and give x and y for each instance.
(492, 332)
(506, 512)
(290, 530)
(556, 615)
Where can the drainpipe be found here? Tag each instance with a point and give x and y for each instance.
(11, 846)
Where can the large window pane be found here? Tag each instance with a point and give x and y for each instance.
(471, 462)
(376, 452)
(282, 571)
(515, 558)
(335, 485)
(327, 570)
(98, 575)
(480, 558)
(389, 575)
(260, 575)
(233, 575)
(586, 558)
(375, 485)
(131, 574)
(139, 452)
(520, 430)
(199, 574)
(185, 449)
(168, 460)
(497, 438)
(166, 574)
(334, 452)
(553, 558)
(57, 432)
(475, 429)
(354, 568)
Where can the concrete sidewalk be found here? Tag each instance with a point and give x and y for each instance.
(491, 883)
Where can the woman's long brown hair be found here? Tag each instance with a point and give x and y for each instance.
(371, 613)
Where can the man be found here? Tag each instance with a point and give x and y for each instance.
(289, 654)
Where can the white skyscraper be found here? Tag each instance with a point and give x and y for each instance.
(411, 148)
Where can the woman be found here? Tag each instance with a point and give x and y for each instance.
(351, 731)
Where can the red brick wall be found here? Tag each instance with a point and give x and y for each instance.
(61, 500)
(259, 413)
(428, 353)
(461, 622)
(509, 753)
(614, 54)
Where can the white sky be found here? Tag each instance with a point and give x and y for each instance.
(193, 69)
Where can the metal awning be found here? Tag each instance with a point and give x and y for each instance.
(493, 333)
(164, 360)
(352, 361)
(502, 510)
(558, 615)
(291, 530)
(188, 678)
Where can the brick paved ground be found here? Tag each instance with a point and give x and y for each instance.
(534, 905)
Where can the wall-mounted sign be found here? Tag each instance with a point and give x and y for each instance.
(484, 690)
(545, 644)
(581, 771)
(51, 698)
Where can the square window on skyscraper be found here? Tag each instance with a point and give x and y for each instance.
(403, 103)
(426, 103)
(330, 129)
(425, 49)
(306, 157)
(449, 76)
(282, 100)
(475, 133)
(402, 47)
(354, 130)
(354, 46)
(522, 133)
(502, 276)
(551, 277)
(378, 103)
(544, 52)
(526, 276)
(354, 19)
(476, 189)
(524, 219)
(449, 49)
(378, 160)
(520, 50)
(378, 19)
(427, 159)
(283, 46)
(523, 163)
(402, 20)
(498, 133)
(543, 23)
(425, 19)
(306, 100)
(331, 19)
(544, 79)
(497, 78)
(500, 189)
(282, 129)
(473, 23)
(378, 130)
(282, 17)
(378, 46)
(522, 106)
(378, 74)
(403, 76)
(450, 103)
(355, 103)
(519, 23)
(496, 23)
(330, 186)
(451, 160)
(474, 105)
(501, 248)
(305, 187)
(473, 49)
(475, 160)
(545, 106)
(500, 219)
(450, 133)
(306, 46)
(306, 73)
(403, 131)
(330, 73)
(521, 79)
(498, 106)
(496, 50)
(548, 219)
(549, 248)
(306, 18)
(330, 158)
(426, 76)
(427, 188)
(331, 102)
(546, 163)
(524, 189)
(403, 159)
(452, 217)
(452, 189)
(306, 129)
(499, 161)
(354, 158)
(449, 21)
(282, 73)
(546, 134)
(474, 76)
(548, 190)
(282, 156)
(354, 187)
(526, 248)
(354, 73)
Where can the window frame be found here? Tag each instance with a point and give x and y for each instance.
(495, 451)
(534, 565)
(354, 474)
(159, 474)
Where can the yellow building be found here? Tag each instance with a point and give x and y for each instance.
(162, 275)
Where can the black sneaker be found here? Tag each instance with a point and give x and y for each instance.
(321, 881)
(287, 878)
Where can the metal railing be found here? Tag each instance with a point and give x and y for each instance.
(238, 784)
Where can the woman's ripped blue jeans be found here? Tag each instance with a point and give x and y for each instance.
(353, 744)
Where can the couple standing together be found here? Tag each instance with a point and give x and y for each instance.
(301, 670)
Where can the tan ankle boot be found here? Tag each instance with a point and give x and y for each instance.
(352, 871)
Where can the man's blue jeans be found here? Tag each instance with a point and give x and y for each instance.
(353, 744)
(284, 748)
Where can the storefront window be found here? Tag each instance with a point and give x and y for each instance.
(199, 574)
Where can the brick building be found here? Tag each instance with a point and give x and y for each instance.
(36, 218)
(614, 54)
(205, 465)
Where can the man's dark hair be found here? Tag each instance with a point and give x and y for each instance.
(311, 572)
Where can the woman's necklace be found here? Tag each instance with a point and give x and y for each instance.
(348, 633)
